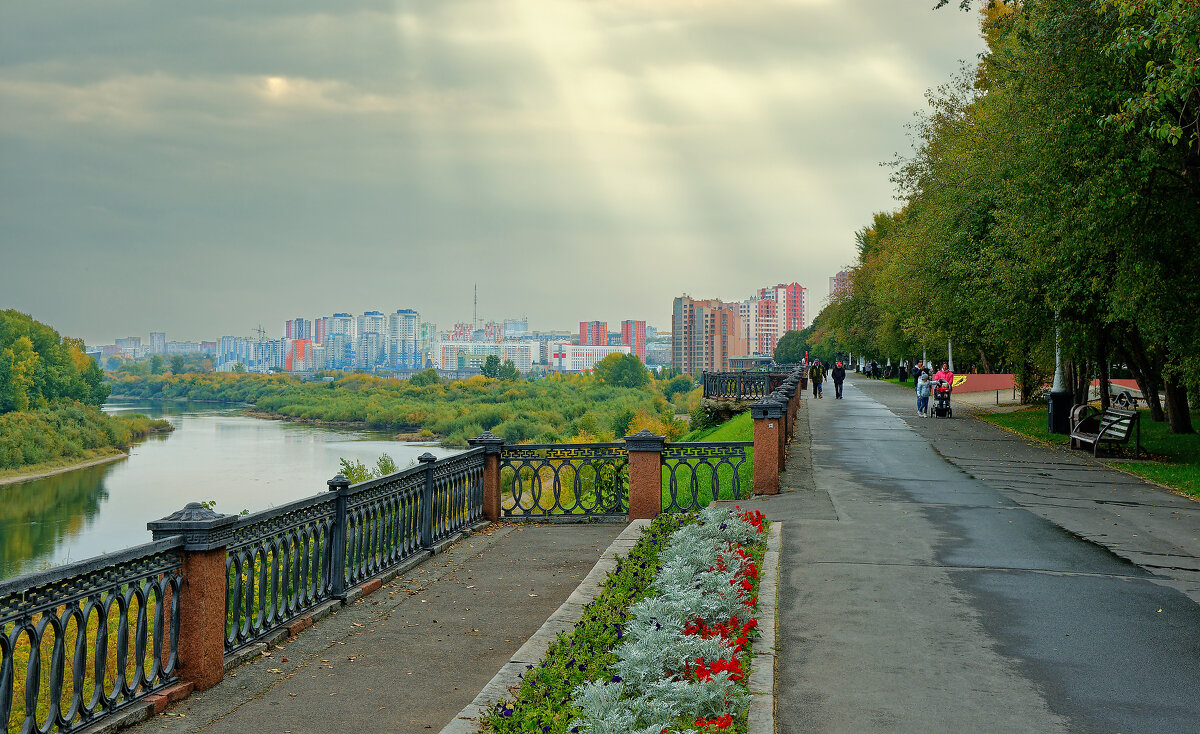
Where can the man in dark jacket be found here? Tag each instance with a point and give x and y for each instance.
(838, 373)
(816, 375)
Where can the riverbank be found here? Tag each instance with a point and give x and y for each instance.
(61, 466)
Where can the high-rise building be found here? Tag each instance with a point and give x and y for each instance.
(461, 333)
(299, 355)
(298, 328)
(404, 337)
(633, 335)
(371, 322)
(342, 324)
(456, 354)
(593, 333)
(493, 332)
(320, 328)
(839, 283)
(705, 334)
(516, 328)
(339, 352)
(158, 342)
(369, 350)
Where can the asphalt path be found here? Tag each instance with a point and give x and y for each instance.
(922, 596)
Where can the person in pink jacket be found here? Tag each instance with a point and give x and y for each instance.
(944, 374)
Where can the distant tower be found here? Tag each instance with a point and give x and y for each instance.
(475, 313)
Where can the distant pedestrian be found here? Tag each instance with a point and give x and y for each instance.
(923, 389)
(838, 373)
(816, 375)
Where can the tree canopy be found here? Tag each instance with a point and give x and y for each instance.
(38, 366)
(622, 370)
(1054, 183)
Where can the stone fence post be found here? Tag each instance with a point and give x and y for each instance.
(202, 595)
(492, 446)
(645, 474)
(426, 517)
(767, 416)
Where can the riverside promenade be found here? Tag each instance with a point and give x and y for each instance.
(946, 576)
(937, 576)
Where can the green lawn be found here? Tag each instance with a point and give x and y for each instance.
(1175, 458)
(738, 428)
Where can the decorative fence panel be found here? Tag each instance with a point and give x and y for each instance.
(277, 567)
(285, 561)
(741, 385)
(564, 481)
(82, 641)
(698, 473)
(457, 493)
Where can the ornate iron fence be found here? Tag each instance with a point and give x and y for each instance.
(742, 385)
(698, 473)
(564, 481)
(109, 627)
(285, 561)
(277, 566)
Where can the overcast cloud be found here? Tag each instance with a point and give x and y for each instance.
(201, 168)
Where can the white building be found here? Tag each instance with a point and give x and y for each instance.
(158, 342)
(404, 339)
(453, 355)
(582, 357)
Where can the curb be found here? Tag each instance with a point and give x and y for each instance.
(534, 649)
(761, 719)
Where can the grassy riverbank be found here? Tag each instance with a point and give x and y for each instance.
(1175, 458)
(557, 409)
(66, 434)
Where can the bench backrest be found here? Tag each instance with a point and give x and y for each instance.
(1116, 423)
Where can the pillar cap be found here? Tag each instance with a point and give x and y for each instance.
(490, 442)
(201, 528)
(766, 408)
(339, 481)
(426, 458)
(645, 440)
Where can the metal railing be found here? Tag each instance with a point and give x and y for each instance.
(705, 471)
(564, 481)
(85, 640)
(285, 561)
(742, 385)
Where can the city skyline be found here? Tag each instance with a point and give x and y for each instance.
(559, 155)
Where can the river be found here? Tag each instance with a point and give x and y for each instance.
(214, 454)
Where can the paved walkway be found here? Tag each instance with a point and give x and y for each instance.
(945, 575)
(408, 657)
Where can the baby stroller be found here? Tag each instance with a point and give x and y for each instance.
(941, 399)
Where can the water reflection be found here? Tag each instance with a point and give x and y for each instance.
(214, 454)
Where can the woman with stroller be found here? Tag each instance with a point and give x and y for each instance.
(945, 374)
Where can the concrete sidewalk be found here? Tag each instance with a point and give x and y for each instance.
(408, 657)
(939, 576)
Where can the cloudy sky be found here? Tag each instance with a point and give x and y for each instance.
(204, 167)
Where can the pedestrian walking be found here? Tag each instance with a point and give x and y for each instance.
(838, 373)
(923, 389)
(816, 375)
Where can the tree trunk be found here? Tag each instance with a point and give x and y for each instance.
(1179, 419)
(1147, 374)
(983, 360)
(1105, 381)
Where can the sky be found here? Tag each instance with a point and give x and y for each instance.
(203, 168)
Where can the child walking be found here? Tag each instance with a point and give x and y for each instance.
(923, 389)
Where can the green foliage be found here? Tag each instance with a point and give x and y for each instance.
(178, 364)
(1057, 182)
(622, 370)
(66, 430)
(156, 365)
(622, 421)
(37, 366)
(508, 371)
(677, 384)
(790, 348)
(570, 407)
(425, 378)
(239, 368)
(357, 472)
(491, 366)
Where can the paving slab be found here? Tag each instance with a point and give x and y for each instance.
(968, 580)
(410, 656)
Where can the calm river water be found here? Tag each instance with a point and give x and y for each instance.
(214, 453)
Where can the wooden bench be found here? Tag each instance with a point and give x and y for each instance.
(1090, 427)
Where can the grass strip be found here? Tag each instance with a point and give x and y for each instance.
(1174, 458)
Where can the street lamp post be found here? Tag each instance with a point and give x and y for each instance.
(1059, 405)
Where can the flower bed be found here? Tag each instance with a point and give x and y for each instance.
(666, 645)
